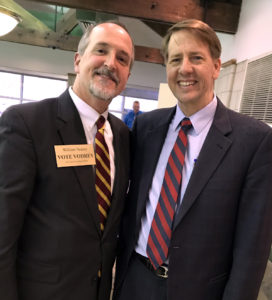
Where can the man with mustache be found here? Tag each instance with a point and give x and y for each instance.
(198, 218)
(64, 174)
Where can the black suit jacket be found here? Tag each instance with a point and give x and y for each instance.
(51, 246)
(222, 233)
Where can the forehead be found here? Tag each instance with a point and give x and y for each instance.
(111, 35)
(184, 40)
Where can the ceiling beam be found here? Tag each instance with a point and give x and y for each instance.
(49, 39)
(67, 23)
(33, 32)
(159, 28)
(222, 16)
(147, 54)
(54, 40)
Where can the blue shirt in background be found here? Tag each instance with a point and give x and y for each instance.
(130, 116)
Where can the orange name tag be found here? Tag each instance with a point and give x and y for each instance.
(74, 155)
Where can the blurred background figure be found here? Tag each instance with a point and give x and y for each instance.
(131, 115)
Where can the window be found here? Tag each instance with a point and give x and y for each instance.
(20, 88)
(145, 104)
(38, 88)
(120, 105)
(257, 93)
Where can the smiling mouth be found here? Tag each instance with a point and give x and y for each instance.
(106, 77)
(105, 73)
(106, 80)
(186, 83)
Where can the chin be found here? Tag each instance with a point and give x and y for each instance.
(102, 93)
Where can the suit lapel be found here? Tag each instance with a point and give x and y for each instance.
(214, 149)
(71, 132)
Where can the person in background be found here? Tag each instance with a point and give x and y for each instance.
(132, 114)
(64, 174)
(198, 219)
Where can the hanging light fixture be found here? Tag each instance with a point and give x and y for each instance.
(8, 20)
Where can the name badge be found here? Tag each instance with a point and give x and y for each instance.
(74, 155)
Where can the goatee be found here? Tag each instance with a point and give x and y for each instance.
(99, 89)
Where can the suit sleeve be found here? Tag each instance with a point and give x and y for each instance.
(252, 241)
(17, 165)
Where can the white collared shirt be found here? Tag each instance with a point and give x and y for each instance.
(89, 116)
(201, 121)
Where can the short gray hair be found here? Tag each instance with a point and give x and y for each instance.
(85, 39)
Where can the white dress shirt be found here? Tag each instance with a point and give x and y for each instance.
(89, 117)
(196, 136)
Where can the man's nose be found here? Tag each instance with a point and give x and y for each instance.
(185, 66)
(110, 61)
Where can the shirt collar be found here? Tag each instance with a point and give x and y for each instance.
(199, 119)
(86, 111)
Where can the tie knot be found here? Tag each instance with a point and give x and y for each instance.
(100, 122)
(186, 124)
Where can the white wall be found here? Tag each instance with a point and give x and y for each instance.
(141, 34)
(45, 61)
(147, 75)
(254, 35)
(166, 97)
(253, 38)
(227, 41)
(41, 60)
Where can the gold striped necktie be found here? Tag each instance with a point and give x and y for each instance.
(103, 176)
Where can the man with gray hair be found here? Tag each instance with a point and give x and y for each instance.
(64, 174)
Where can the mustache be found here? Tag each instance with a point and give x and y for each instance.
(106, 72)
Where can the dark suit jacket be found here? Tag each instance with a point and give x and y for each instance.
(222, 233)
(51, 247)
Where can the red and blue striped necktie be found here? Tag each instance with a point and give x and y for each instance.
(161, 227)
